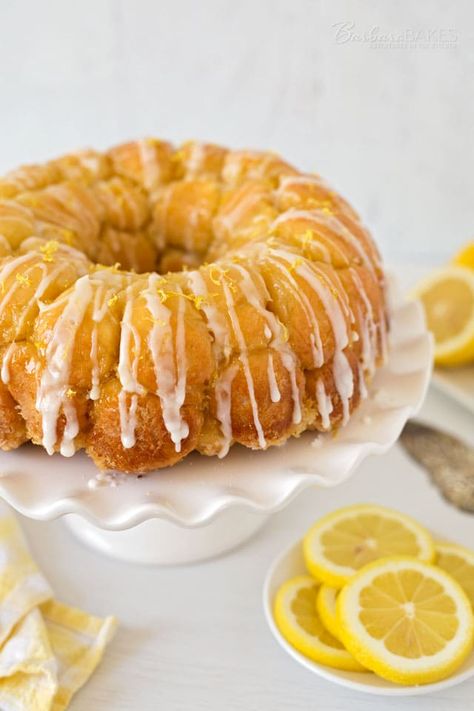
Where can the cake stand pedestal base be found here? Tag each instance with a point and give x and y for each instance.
(160, 542)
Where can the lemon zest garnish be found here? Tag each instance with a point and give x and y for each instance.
(307, 237)
(295, 264)
(113, 300)
(70, 392)
(212, 274)
(222, 272)
(39, 345)
(23, 280)
(199, 301)
(163, 296)
(156, 321)
(196, 300)
(49, 250)
(285, 334)
(106, 267)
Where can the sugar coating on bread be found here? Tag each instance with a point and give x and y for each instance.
(158, 300)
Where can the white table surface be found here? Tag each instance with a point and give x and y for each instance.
(195, 637)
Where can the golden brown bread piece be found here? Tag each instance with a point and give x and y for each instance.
(156, 301)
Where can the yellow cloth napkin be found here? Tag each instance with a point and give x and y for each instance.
(47, 650)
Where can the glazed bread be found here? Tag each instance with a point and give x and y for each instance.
(156, 301)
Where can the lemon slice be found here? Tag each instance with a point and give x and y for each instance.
(459, 563)
(465, 257)
(297, 619)
(349, 538)
(326, 608)
(448, 299)
(408, 621)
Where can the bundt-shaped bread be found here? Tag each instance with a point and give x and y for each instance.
(156, 301)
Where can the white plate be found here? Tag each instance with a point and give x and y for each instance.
(193, 492)
(291, 563)
(457, 383)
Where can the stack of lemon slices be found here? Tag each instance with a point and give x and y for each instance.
(447, 295)
(380, 596)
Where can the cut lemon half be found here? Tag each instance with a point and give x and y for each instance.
(326, 608)
(447, 296)
(459, 563)
(465, 256)
(296, 618)
(406, 620)
(349, 538)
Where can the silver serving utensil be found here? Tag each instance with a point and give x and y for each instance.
(449, 462)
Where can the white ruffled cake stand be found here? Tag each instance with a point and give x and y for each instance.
(205, 506)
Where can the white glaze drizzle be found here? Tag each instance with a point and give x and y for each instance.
(287, 356)
(193, 223)
(317, 237)
(100, 307)
(232, 166)
(342, 371)
(321, 219)
(195, 160)
(243, 357)
(160, 234)
(260, 170)
(288, 180)
(128, 372)
(324, 402)
(42, 286)
(8, 269)
(150, 166)
(52, 394)
(78, 205)
(223, 395)
(128, 209)
(90, 160)
(362, 382)
(255, 169)
(368, 329)
(335, 285)
(217, 323)
(10, 266)
(314, 336)
(230, 216)
(275, 394)
(94, 392)
(128, 418)
(222, 349)
(169, 360)
(116, 205)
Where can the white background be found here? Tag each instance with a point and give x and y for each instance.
(392, 128)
